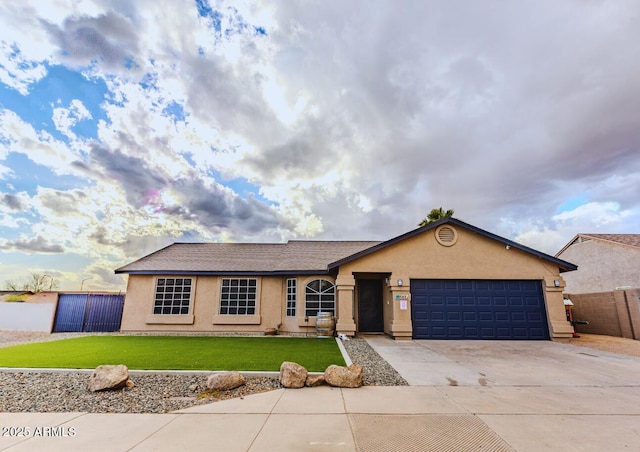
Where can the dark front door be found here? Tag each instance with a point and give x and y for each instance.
(370, 317)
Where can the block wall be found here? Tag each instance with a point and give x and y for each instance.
(614, 313)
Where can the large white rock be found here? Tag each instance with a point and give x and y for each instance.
(109, 377)
(344, 377)
(225, 381)
(292, 375)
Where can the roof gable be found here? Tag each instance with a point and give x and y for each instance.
(563, 265)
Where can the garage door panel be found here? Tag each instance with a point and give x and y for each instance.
(487, 333)
(465, 285)
(478, 309)
(471, 333)
(499, 301)
(453, 301)
(468, 300)
(516, 301)
(453, 316)
(470, 316)
(485, 316)
(532, 302)
(438, 316)
(454, 332)
(534, 317)
(501, 316)
(518, 317)
(481, 286)
(436, 301)
(483, 301)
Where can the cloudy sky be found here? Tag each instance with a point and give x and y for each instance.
(125, 126)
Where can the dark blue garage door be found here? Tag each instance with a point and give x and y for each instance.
(478, 309)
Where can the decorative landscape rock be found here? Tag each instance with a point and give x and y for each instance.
(225, 381)
(314, 380)
(109, 377)
(292, 375)
(344, 377)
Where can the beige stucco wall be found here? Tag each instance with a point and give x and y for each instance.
(205, 306)
(473, 256)
(602, 267)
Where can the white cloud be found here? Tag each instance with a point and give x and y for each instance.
(17, 135)
(592, 217)
(66, 118)
(16, 71)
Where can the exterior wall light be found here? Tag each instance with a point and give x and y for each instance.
(556, 283)
(399, 282)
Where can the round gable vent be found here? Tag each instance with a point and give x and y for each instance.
(446, 235)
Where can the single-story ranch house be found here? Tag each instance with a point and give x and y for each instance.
(446, 280)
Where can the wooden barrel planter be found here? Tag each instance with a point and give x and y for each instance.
(325, 324)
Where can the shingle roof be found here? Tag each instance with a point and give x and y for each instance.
(291, 257)
(632, 240)
(624, 239)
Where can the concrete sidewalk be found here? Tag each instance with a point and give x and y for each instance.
(500, 401)
(368, 419)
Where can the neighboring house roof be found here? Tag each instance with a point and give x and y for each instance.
(632, 240)
(293, 257)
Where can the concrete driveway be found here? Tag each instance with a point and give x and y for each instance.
(506, 363)
(535, 395)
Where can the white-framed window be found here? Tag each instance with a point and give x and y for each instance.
(292, 296)
(238, 296)
(173, 296)
(320, 296)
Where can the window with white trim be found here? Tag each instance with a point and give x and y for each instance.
(292, 296)
(173, 296)
(320, 296)
(238, 296)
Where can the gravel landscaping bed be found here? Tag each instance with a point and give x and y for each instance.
(152, 393)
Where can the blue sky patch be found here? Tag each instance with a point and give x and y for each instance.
(573, 203)
(57, 89)
(32, 175)
(241, 186)
(175, 111)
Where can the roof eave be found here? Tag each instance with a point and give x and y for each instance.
(225, 272)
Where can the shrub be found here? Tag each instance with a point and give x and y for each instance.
(16, 298)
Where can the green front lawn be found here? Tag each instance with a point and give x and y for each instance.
(176, 353)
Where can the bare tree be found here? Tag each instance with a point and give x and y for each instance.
(36, 282)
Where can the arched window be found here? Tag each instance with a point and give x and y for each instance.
(320, 296)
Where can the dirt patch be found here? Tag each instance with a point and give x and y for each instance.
(612, 344)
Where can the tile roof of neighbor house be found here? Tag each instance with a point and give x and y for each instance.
(296, 256)
(632, 240)
(293, 256)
